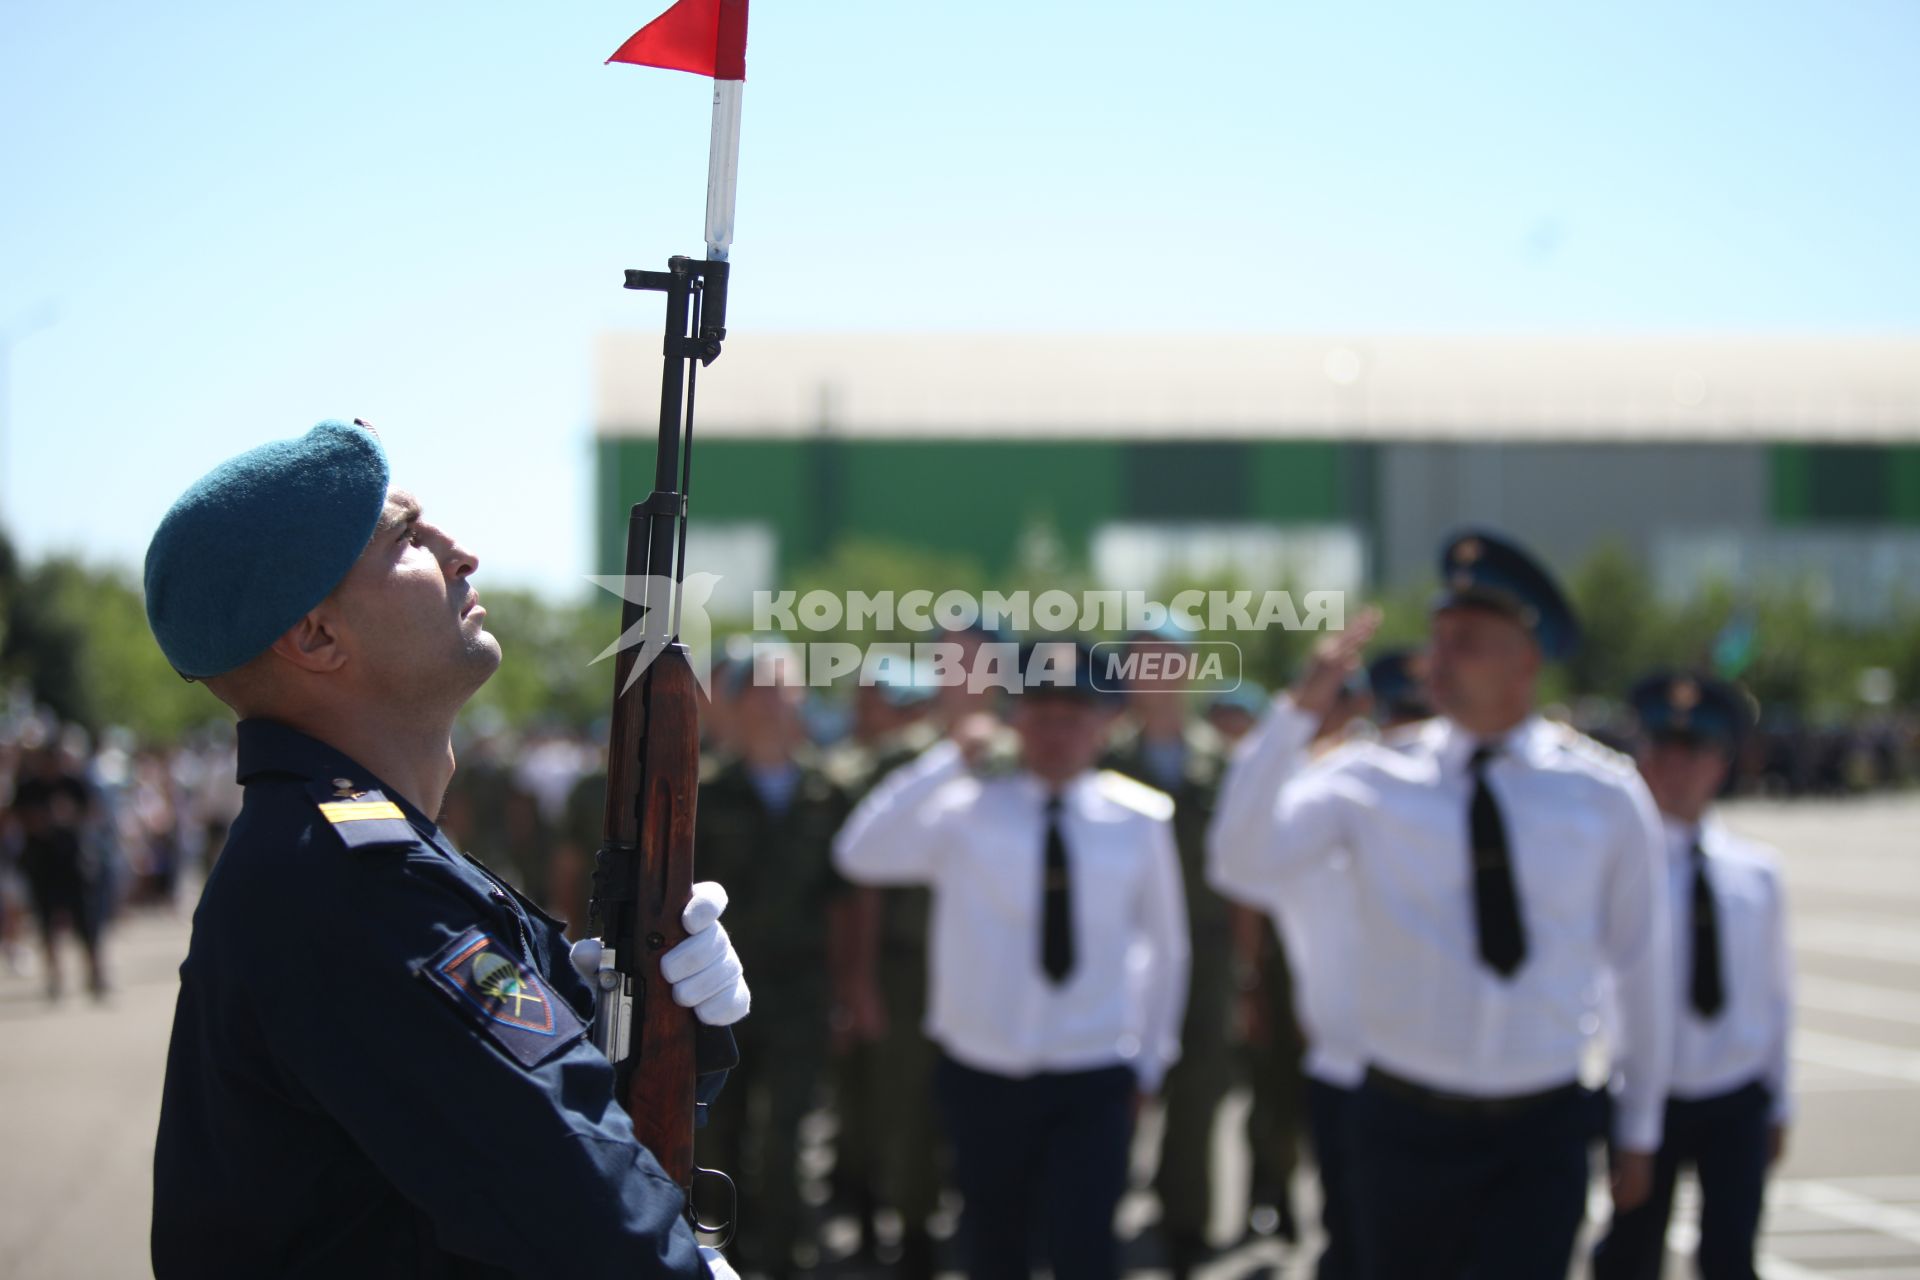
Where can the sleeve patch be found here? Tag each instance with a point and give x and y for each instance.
(509, 1002)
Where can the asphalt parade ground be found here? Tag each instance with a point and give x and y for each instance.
(80, 1082)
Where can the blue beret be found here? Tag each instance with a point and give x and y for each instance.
(260, 540)
(1692, 706)
(1398, 681)
(1483, 570)
(1246, 696)
(917, 690)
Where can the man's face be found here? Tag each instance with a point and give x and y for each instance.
(1159, 701)
(1684, 775)
(1061, 736)
(766, 717)
(1478, 661)
(411, 622)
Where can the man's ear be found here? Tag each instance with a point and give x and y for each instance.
(312, 644)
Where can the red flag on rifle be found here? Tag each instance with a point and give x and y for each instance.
(706, 37)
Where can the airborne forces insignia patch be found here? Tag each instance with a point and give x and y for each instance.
(516, 1010)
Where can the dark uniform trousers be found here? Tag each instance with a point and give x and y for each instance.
(888, 1108)
(1054, 1143)
(1447, 1189)
(1329, 1121)
(1725, 1139)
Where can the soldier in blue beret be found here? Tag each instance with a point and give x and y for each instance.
(1728, 1103)
(1166, 747)
(380, 1062)
(1232, 713)
(1501, 865)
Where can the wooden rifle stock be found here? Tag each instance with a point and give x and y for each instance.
(652, 781)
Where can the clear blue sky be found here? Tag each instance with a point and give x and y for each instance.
(251, 216)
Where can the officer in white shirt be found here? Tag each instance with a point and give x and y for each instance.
(1318, 916)
(1503, 866)
(1728, 1103)
(1058, 967)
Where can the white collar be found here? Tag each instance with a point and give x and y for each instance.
(1523, 742)
(1681, 835)
(1036, 792)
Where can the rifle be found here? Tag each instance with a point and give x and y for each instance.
(643, 872)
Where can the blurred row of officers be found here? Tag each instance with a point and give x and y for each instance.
(1000, 928)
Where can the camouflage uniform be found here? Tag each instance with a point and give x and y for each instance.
(778, 869)
(1273, 1052)
(906, 1151)
(1204, 1074)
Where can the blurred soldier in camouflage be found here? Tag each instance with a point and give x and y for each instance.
(767, 816)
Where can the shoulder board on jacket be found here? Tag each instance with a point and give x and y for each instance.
(1722, 843)
(361, 818)
(1138, 796)
(1404, 738)
(1576, 743)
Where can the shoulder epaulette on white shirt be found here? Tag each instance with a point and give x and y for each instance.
(1404, 738)
(1590, 750)
(1129, 793)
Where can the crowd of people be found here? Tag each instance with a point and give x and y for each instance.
(815, 817)
(842, 969)
(864, 979)
(91, 827)
(1452, 944)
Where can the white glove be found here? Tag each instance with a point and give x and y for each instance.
(704, 970)
(717, 1264)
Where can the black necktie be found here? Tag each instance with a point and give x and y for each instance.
(1496, 904)
(1056, 902)
(1708, 990)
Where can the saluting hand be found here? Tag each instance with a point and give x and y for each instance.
(1335, 658)
(705, 970)
(973, 734)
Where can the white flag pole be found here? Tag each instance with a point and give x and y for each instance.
(723, 167)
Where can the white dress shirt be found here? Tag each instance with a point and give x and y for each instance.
(979, 842)
(1587, 855)
(1317, 911)
(1748, 1041)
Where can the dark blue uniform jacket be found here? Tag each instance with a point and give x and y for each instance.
(380, 1064)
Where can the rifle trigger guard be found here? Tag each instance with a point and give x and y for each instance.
(722, 1231)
